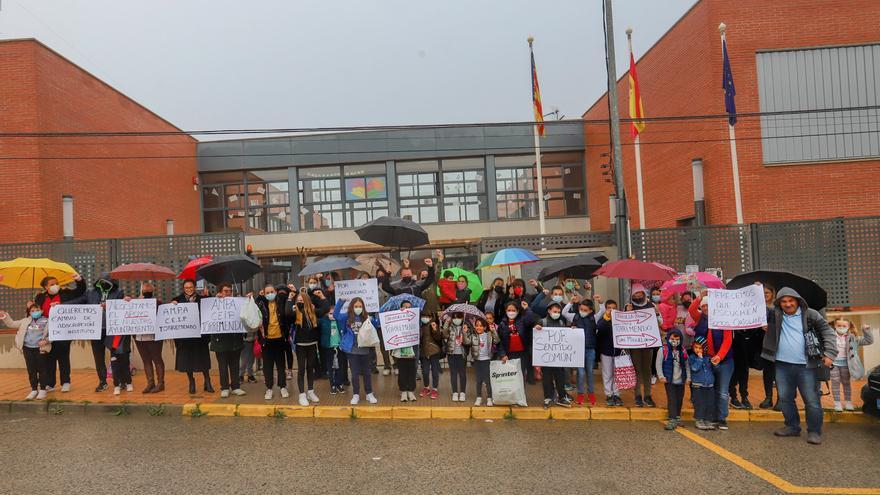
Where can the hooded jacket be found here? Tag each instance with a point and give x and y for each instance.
(94, 295)
(810, 319)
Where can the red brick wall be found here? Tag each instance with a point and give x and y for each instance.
(113, 196)
(681, 75)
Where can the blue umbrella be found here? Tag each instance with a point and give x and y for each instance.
(393, 303)
(508, 257)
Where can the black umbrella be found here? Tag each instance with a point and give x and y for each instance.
(581, 266)
(815, 295)
(329, 264)
(237, 268)
(393, 232)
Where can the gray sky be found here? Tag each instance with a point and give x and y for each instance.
(222, 64)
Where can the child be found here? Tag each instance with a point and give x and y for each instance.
(431, 342)
(120, 361)
(32, 339)
(456, 337)
(847, 365)
(405, 361)
(554, 377)
(673, 371)
(484, 342)
(350, 323)
(703, 381)
(607, 352)
(585, 320)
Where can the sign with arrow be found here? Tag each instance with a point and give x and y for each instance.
(400, 328)
(635, 329)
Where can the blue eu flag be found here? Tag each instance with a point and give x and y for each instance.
(729, 89)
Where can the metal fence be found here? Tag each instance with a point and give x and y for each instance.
(841, 254)
(91, 258)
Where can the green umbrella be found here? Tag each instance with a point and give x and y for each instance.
(473, 280)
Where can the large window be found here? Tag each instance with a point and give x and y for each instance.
(435, 191)
(562, 179)
(417, 191)
(253, 202)
(338, 197)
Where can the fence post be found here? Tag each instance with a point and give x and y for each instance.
(756, 247)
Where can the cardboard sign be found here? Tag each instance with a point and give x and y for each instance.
(737, 309)
(368, 290)
(75, 322)
(558, 347)
(400, 328)
(178, 321)
(135, 317)
(221, 314)
(635, 329)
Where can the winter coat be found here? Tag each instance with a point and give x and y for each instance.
(588, 325)
(810, 319)
(22, 326)
(280, 312)
(307, 333)
(605, 337)
(429, 340)
(498, 309)
(414, 288)
(853, 361)
(344, 325)
(668, 313)
(449, 332)
(524, 323)
(494, 348)
(701, 370)
(96, 296)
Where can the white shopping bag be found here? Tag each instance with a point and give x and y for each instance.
(507, 383)
(251, 316)
(367, 335)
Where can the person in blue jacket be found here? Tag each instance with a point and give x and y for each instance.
(350, 323)
(703, 382)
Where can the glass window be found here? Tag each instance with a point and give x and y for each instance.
(516, 196)
(562, 179)
(339, 197)
(464, 190)
(246, 202)
(417, 191)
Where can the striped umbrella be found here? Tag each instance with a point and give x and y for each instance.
(508, 257)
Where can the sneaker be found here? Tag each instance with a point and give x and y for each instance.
(334, 390)
(639, 402)
(284, 393)
(412, 396)
(268, 394)
(117, 390)
(303, 400)
(747, 405)
(478, 402)
(461, 397)
(735, 403)
(425, 392)
(777, 407)
(33, 395)
(563, 402)
(223, 393)
(129, 388)
(838, 407)
(579, 400)
(239, 392)
(403, 397)
(101, 387)
(372, 399)
(489, 402)
(455, 397)
(65, 387)
(703, 425)
(396, 371)
(568, 387)
(386, 372)
(671, 424)
(435, 394)
(355, 399)
(609, 402)
(814, 438)
(592, 399)
(618, 400)
(787, 432)
(766, 403)
(849, 406)
(49, 388)
(548, 403)
(42, 394)
(650, 402)
(653, 380)
(313, 397)
(252, 379)
(722, 425)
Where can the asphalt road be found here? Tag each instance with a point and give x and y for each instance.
(142, 454)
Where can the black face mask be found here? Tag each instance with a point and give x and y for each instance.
(148, 295)
(686, 304)
(299, 305)
(406, 280)
(639, 300)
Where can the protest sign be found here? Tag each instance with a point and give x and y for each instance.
(178, 321)
(135, 317)
(368, 290)
(75, 322)
(737, 309)
(635, 329)
(400, 328)
(221, 314)
(558, 347)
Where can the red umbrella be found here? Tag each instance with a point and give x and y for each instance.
(635, 269)
(142, 271)
(189, 271)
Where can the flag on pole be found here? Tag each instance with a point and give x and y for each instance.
(636, 112)
(536, 96)
(727, 84)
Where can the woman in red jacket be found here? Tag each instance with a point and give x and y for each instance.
(718, 346)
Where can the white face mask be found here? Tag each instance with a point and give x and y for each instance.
(841, 330)
(557, 298)
(456, 321)
(426, 320)
(313, 286)
(358, 310)
(511, 315)
(54, 289)
(583, 314)
(555, 316)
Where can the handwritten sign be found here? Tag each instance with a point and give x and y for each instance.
(178, 321)
(737, 309)
(75, 322)
(558, 347)
(135, 317)
(221, 314)
(368, 290)
(400, 328)
(635, 329)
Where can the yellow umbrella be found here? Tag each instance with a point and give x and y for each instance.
(26, 273)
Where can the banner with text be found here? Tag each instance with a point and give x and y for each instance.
(368, 290)
(221, 314)
(637, 329)
(737, 309)
(75, 322)
(135, 317)
(558, 347)
(400, 328)
(178, 321)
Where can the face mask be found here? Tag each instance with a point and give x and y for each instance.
(555, 316)
(639, 300)
(462, 286)
(517, 291)
(583, 314)
(674, 343)
(456, 321)
(313, 286)
(841, 330)
(511, 315)
(686, 304)
(327, 282)
(406, 280)
(499, 289)
(557, 299)
(656, 299)
(569, 285)
(300, 305)
(148, 295)
(270, 296)
(53, 289)
(425, 320)
(36, 315)
(358, 310)
(103, 285)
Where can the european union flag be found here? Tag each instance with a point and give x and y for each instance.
(729, 89)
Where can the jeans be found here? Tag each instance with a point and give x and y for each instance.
(121, 366)
(360, 368)
(431, 365)
(59, 358)
(307, 359)
(99, 352)
(273, 362)
(722, 373)
(553, 383)
(246, 363)
(406, 377)
(585, 374)
(457, 373)
(641, 359)
(227, 362)
(675, 396)
(704, 402)
(339, 370)
(793, 378)
(325, 361)
(37, 365)
(151, 355)
(482, 369)
(608, 376)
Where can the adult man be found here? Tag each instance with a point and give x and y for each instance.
(407, 284)
(59, 357)
(103, 289)
(798, 340)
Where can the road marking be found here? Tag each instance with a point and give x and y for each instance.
(767, 475)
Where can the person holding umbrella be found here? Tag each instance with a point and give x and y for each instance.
(456, 334)
(227, 349)
(103, 289)
(193, 355)
(51, 295)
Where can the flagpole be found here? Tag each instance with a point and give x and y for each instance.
(541, 225)
(638, 150)
(734, 162)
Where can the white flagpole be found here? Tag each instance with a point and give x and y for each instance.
(541, 226)
(638, 149)
(734, 162)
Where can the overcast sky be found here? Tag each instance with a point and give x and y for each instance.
(222, 64)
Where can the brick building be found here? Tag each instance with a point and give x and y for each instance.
(118, 190)
(790, 57)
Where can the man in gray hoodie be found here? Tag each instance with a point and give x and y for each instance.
(790, 344)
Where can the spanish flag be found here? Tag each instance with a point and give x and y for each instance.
(636, 112)
(536, 96)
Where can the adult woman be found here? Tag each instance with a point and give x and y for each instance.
(643, 359)
(718, 343)
(491, 299)
(150, 350)
(53, 294)
(227, 349)
(350, 323)
(274, 336)
(430, 341)
(301, 314)
(515, 331)
(193, 355)
(32, 339)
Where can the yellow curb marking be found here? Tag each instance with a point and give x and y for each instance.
(767, 475)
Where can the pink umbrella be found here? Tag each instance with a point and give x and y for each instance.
(638, 270)
(692, 281)
(142, 271)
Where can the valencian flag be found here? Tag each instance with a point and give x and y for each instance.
(536, 96)
(727, 84)
(636, 112)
